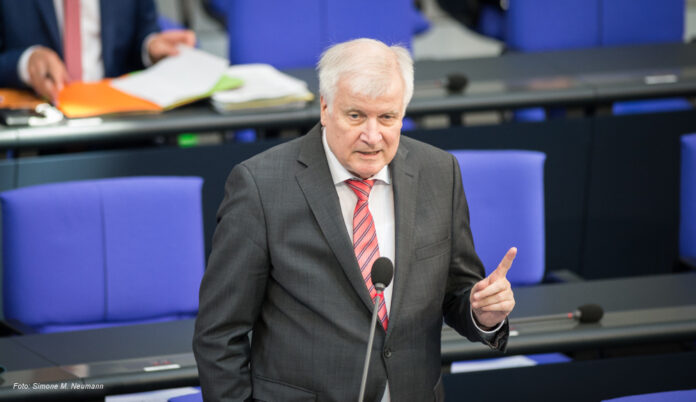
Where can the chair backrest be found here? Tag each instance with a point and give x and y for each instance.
(293, 33)
(626, 22)
(539, 25)
(542, 25)
(687, 217)
(96, 253)
(505, 193)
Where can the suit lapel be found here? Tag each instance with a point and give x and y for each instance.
(48, 15)
(319, 191)
(405, 178)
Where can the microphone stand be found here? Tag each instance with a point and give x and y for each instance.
(373, 323)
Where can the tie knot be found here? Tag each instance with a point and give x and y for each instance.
(361, 188)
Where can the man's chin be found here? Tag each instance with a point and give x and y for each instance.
(364, 173)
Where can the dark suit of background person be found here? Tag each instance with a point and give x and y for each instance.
(124, 26)
(283, 266)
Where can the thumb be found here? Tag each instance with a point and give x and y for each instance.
(505, 264)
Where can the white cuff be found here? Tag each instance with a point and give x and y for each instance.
(485, 334)
(145, 55)
(23, 64)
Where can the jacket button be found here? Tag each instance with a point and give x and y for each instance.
(387, 353)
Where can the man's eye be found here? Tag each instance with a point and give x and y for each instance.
(354, 116)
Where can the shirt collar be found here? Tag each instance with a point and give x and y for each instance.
(339, 173)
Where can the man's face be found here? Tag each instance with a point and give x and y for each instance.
(364, 132)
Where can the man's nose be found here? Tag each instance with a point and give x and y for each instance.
(371, 133)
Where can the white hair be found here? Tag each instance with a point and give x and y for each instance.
(368, 64)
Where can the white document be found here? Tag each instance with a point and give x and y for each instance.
(492, 364)
(189, 74)
(261, 81)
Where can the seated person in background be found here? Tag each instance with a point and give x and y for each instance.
(45, 44)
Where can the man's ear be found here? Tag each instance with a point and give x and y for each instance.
(324, 109)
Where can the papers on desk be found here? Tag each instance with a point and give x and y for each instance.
(264, 88)
(492, 364)
(191, 75)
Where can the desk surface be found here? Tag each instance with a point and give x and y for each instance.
(647, 309)
(577, 77)
(637, 310)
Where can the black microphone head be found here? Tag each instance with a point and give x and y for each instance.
(382, 271)
(590, 313)
(456, 82)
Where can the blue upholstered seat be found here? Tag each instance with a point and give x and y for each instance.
(545, 25)
(687, 216)
(668, 396)
(87, 254)
(505, 192)
(293, 33)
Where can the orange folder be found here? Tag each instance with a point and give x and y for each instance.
(88, 99)
(18, 99)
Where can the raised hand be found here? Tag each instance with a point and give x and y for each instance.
(492, 299)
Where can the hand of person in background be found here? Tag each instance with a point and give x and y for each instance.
(165, 43)
(47, 73)
(492, 299)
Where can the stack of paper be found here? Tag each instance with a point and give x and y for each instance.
(264, 88)
(191, 75)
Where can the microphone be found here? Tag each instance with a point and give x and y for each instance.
(587, 313)
(456, 82)
(382, 273)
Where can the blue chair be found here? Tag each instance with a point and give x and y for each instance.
(167, 24)
(293, 33)
(505, 193)
(98, 253)
(492, 23)
(627, 22)
(687, 216)
(543, 25)
(197, 397)
(668, 396)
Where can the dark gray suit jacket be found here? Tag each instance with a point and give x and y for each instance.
(283, 266)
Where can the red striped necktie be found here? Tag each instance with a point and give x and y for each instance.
(365, 240)
(72, 42)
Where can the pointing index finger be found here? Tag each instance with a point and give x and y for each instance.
(505, 263)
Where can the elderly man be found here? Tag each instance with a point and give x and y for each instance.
(298, 231)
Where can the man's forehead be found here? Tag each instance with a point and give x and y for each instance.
(348, 94)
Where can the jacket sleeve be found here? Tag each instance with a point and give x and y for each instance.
(9, 57)
(147, 23)
(9, 76)
(232, 291)
(465, 270)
